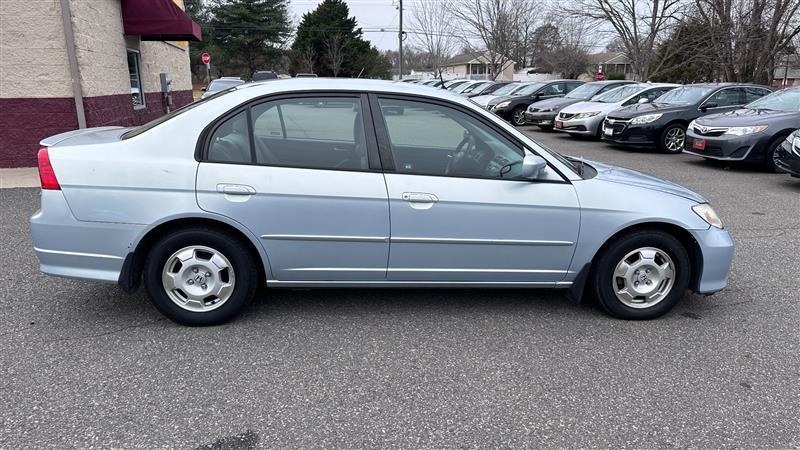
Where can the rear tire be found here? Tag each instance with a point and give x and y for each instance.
(673, 139)
(200, 276)
(641, 276)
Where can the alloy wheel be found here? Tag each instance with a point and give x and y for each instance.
(644, 277)
(198, 278)
(675, 139)
(518, 116)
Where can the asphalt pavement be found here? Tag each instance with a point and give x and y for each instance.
(85, 365)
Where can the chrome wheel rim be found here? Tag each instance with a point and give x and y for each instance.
(198, 278)
(519, 117)
(643, 278)
(675, 139)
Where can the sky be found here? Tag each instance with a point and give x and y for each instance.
(372, 15)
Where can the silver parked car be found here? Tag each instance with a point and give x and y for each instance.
(320, 182)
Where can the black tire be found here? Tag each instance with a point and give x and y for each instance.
(517, 117)
(547, 128)
(232, 247)
(771, 154)
(602, 275)
(666, 134)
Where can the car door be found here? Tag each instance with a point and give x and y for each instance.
(458, 212)
(723, 100)
(301, 173)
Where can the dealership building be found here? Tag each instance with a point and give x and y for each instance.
(68, 64)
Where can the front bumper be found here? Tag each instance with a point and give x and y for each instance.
(788, 159)
(584, 127)
(623, 133)
(67, 247)
(505, 113)
(716, 247)
(728, 148)
(541, 118)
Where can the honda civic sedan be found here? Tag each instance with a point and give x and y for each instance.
(315, 183)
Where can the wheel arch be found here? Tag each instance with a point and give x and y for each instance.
(130, 276)
(681, 234)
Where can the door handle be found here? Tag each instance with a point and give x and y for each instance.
(235, 189)
(419, 197)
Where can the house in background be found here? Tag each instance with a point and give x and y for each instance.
(612, 63)
(92, 63)
(476, 66)
(785, 77)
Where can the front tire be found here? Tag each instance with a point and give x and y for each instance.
(641, 276)
(673, 139)
(518, 116)
(200, 276)
(771, 155)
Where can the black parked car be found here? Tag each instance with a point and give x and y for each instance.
(512, 108)
(543, 112)
(663, 122)
(486, 89)
(787, 158)
(753, 133)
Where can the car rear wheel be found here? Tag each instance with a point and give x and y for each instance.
(641, 276)
(518, 116)
(673, 138)
(200, 276)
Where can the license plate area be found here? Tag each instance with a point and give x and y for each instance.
(559, 124)
(608, 131)
(699, 144)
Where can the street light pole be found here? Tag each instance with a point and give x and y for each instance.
(400, 38)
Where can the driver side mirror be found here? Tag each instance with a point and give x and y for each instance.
(532, 166)
(705, 106)
(202, 89)
(644, 100)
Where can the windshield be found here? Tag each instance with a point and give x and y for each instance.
(785, 100)
(507, 89)
(528, 89)
(467, 87)
(480, 88)
(221, 85)
(685, 95)
(617, 95)
(585, 91)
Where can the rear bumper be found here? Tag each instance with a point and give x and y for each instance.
(717, 248)
(67, 247)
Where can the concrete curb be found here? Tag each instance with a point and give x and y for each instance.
(23, 177)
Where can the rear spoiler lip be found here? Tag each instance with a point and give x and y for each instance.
(58, 138)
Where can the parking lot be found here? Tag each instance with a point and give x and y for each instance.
(83, 364)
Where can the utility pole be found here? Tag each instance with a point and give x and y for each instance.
(400, 38)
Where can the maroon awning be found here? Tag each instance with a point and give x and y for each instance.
(158, 20)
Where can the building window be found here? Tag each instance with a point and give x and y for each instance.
(135, 74)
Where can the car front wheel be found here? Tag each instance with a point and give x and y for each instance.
(200, 276)
(641, 276)
(673, 138)
(518, 116)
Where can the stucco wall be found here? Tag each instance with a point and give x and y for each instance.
(33, 55)
(160, 57)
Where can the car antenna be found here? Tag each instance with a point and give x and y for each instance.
(442, 79)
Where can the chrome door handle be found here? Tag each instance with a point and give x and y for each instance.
(419, 197)
(235, 189)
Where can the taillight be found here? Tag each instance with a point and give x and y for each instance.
(46, 173)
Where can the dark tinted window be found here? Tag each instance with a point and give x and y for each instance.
(571, 86)
(755, 93)
(554, 89)
(230, 142)
(726, 97)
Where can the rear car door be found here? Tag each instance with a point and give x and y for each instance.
(300, 172)
(458, 213)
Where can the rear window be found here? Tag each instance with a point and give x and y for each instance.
(154, 123)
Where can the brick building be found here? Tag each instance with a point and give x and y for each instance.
(67, 64)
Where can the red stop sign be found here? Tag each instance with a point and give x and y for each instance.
(206, 58)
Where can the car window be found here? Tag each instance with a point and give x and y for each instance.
(725, 97)
(754, 93)
(221, 85)
(230, 141)
(313, 132)
(572, 86)
(783, 100)
(554, 89)
(617, 95)
(430, 139)
(650, 95)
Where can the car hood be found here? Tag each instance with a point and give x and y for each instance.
(555, 104)
(641, 109)
(621, 175)
(483, 100)
(590, 106)
(745, 117)
(500, 98)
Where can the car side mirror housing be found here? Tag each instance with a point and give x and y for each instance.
(532, 166)
(644, 100)
(705, 106)
(202, 89)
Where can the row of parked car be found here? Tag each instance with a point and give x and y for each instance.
(720, 121)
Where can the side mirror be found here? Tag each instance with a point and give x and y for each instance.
(202, 89)
(705, 106)
(532, 166)
(644, 100)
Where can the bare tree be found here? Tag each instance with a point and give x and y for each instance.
(639, 25)
(568, 53)
(748, 35)
(433, 31)
(334, 51)
(499, 24)
(307, 57)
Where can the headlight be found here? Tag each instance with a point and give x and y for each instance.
(586, 115)
(795, 143)
(649, 118)
(706, 212)
(502, 104)
(691, 125)
(741, 131)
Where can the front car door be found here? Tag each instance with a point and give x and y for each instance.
(725, 99)
(459, 214)
(300, 172)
